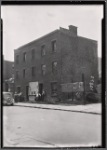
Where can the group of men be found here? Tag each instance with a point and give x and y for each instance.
(40, 96)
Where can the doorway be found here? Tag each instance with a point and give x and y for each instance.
(40, 88)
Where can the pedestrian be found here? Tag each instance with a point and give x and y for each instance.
(43, 95)
(36, 97)
(39, 96)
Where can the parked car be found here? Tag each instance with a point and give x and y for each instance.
(8, 98)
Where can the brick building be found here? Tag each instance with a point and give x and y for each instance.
(8, 75)
(56, 58)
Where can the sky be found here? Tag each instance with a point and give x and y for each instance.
(23, 24)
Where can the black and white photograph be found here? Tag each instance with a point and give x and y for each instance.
(52, 75)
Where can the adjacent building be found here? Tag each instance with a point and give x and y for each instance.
(54, 59)
(8, 75)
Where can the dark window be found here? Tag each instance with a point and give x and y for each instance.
(17, 59)
(13, 66)
(54, 88)
(54, 46)
(24, 56)
(17, 74)
(24, 73)
(43, 69)
(33, 54)
(18, 89)
(54, 66)
(33, 71)
(43, 51)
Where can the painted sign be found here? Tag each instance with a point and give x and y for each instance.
(33, 88)
(73, 87)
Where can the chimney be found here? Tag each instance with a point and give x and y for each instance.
(73, 30)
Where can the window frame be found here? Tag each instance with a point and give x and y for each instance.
(24, 56)
(43, 70)
(53, 44)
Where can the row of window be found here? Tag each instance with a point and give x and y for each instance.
(43, 52)
(43, 70)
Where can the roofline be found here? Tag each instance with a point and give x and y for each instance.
(88, 39)
(79, 37)
(48, 35)
(36, 39)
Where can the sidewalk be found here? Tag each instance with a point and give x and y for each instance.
(89, 108)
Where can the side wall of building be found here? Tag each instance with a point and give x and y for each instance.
(74, 55)
(79, 58)
(39, 60)
(68, 57)
(87, 62)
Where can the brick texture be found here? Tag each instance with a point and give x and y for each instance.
(74, 55)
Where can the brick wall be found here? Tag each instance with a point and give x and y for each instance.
(39, 60)
(74, 55)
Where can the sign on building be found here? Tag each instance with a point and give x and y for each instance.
(73, 87)
(33, 88)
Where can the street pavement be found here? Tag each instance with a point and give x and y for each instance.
(35, 127)
(89, 108)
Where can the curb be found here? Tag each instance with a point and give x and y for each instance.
(94, 113)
